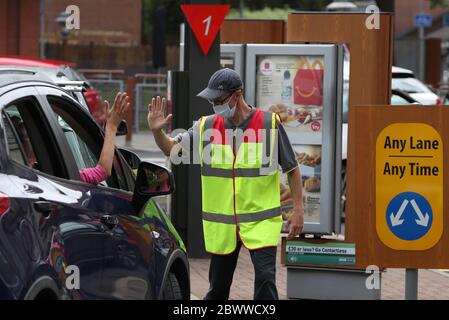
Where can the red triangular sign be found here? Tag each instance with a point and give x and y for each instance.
(205, 21)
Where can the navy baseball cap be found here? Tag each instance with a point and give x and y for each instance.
(222, 81)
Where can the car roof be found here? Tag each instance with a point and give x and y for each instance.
(401, 70)
(55, 74)
(32, 62)
(11, 75)
(54, 77)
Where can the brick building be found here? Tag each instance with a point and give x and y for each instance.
(105, 22)
(407, 39)
(19, 27)
(407, 9)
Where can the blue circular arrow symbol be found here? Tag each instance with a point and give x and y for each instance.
(409, 216)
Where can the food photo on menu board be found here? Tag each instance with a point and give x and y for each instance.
(292, 87)
(309, 160)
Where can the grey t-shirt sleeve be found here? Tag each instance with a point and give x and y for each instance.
(286, 155)
(185, 139)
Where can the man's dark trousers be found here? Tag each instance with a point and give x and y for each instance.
(222, 268)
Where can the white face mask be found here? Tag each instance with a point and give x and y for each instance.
(224, 110)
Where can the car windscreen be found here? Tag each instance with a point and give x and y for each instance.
(410, 85)
(398, 100)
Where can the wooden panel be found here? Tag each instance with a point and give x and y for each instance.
(252, 31)
(370, 68)
(371, 50)
(433, 61)
(366, 124)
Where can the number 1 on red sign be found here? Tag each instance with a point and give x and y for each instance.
(207, 21)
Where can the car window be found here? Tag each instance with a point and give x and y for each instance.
(16, 152)
(409, 85)
(84, 157)
(81, 99)
(30, 141)
(83, 142)
(345, 101)
(398, 100)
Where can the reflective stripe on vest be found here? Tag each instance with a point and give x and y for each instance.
(270, 145)
(240, 191)
(242, 217)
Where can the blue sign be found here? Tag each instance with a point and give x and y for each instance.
(446, 20)
(423, 20)
(409, 216)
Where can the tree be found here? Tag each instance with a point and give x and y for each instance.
(175, 16)
(306, 5)
(386, 5)
(438, 3)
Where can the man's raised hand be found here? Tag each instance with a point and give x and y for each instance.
(156, 114)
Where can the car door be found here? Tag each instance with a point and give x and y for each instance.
(128, 266)
(49, 229)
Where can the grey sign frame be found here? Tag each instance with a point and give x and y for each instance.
(236, 52)
(329, 139)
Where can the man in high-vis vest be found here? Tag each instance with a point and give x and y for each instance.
(239, 148)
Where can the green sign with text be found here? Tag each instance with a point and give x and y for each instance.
(337, 254)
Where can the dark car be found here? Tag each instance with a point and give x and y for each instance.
(92, 96)
(61, 238)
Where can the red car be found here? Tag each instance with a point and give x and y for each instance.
(92, 96)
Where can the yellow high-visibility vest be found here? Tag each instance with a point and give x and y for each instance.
(240, 188)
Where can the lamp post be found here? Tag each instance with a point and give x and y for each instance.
(42, 29)
(64, 32)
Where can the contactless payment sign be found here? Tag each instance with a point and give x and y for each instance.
(409, 186)
(205, 21)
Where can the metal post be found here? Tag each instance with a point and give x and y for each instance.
(131, 82)
(42, 26)
(241, 6)
(411, 284)
(137, 94)
(178, 93)
(199, 68)
(64, 49)
(422, 54)
(181, 46)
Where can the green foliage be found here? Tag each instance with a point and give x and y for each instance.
(256, 5)
(438, 3)
(174, 15)
(146, 19)
(265, 13)
(256, 9)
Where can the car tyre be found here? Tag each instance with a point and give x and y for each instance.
(172, 289)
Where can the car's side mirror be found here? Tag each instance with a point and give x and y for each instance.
(122, 128)
(131, 158)
(153, 180)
